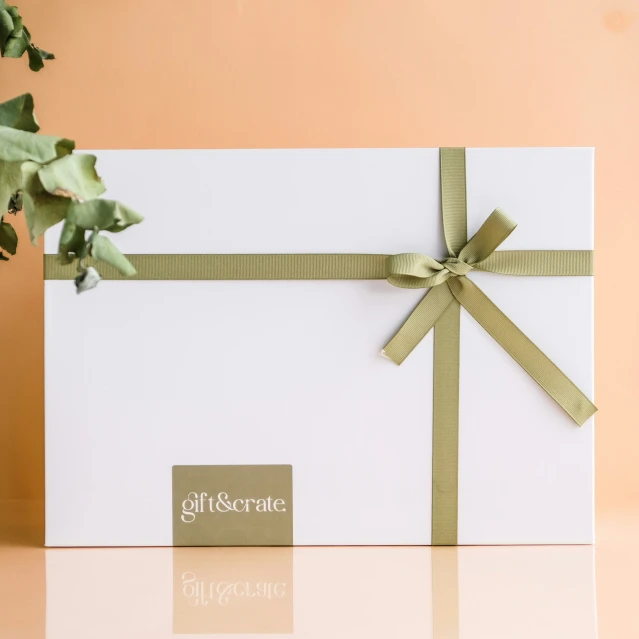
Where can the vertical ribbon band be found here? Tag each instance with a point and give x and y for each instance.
(446, 361)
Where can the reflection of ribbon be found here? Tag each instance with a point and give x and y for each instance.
(445, 583)
(440, 308)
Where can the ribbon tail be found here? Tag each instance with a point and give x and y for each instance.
(522, 350)
(418, 324)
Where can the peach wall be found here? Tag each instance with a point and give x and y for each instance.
(341, 73)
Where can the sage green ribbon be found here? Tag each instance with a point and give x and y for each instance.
(440, 308)
(449, 289)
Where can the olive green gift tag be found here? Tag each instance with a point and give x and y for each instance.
(233, 505)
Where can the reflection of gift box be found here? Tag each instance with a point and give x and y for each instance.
(188, 372)
(470, 593)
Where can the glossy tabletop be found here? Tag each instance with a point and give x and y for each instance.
(578, 592)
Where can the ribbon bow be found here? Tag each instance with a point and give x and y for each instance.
(412, 270)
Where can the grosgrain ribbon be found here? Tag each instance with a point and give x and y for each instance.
(411, 270)
(440, 308)
(449, 289)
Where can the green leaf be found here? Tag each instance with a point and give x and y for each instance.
(18, 114)
(72, 243)
(35, 58)
(8, 238)
(124, 217)
(3, 257)
(46, 55)
(72, 176)
(15, 38)
(106, 215)
(20, 146)
(6, 27)
(10, 183)
(41, 209)
(103, 249)
(18, 41)
(15, 47)
(12, 10)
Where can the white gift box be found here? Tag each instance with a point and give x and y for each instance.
(142, 376)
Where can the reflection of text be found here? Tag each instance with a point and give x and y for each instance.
(203, 593)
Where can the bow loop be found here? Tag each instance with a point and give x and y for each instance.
(412, 270)
(497, 227)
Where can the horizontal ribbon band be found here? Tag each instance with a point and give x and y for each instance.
(567, 263)
(266, 266)
(311, 266)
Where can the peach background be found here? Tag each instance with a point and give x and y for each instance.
(341, 73)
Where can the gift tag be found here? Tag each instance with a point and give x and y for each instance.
(233, 505)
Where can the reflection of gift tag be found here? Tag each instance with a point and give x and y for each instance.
(232, 506)
(232, 590)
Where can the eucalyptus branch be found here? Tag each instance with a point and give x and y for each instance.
(42, 176)
(15, 39)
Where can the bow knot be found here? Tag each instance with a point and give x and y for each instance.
(456, 267)
(412, 270)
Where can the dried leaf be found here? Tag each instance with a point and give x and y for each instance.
(72, 176)
(18, 114)
(6, 26)
(72, 243)
(21, 146)
(15, 38)
(8, 238)
(106, 215)
(103, 249)
(10, 184)
(36, 61)
(46, 55)
(41, 209)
